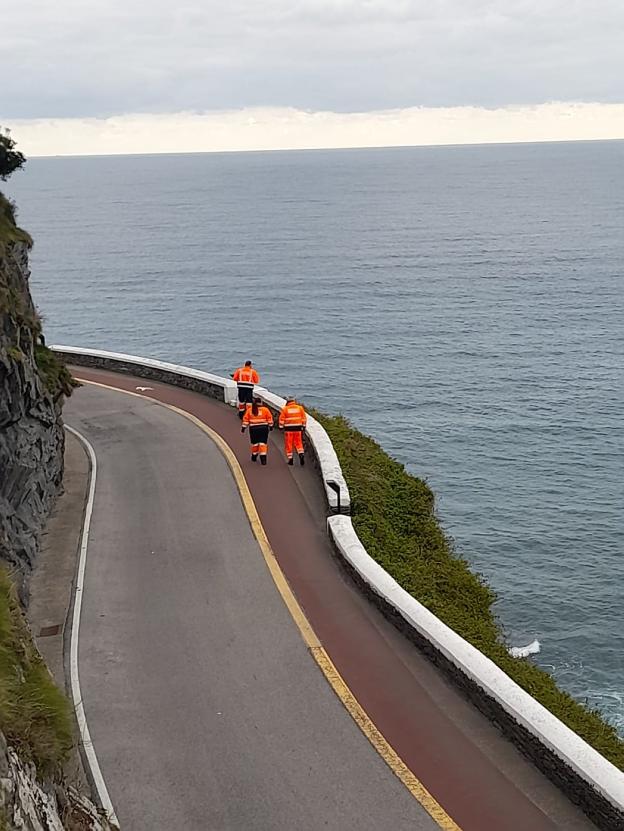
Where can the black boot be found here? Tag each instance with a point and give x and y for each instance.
(262, 460)
(290, 461)
(301, 459)
(254, 456)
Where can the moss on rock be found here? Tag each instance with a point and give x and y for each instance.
(9, 231)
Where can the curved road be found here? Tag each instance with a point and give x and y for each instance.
(205, 707)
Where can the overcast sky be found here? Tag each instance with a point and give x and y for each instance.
(101, 58)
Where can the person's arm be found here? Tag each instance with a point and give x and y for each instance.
(255, 377)
(281, 420)
(235, 375)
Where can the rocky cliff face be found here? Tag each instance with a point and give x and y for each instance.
(31, 433)
(32, 386)
(30, 805)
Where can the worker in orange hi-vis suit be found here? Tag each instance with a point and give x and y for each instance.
(259, 419)
(292, 420)
(245, 377)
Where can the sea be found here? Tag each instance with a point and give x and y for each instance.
(462, 305)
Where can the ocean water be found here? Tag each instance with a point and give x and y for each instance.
(464, 306)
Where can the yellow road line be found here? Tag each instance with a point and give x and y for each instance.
(336, 681)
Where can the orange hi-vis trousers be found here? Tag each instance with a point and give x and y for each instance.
(259, 424)
(293, 441)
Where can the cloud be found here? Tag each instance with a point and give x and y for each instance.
(288, 128)
(78, 59)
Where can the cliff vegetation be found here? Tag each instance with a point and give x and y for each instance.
(17, 308)
(393, 515)
(35, 716)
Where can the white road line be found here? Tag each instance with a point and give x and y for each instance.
(85, 736)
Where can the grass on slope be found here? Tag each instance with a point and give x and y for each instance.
(9, 232)
(35, 715)
(56, 377)
(393, 514)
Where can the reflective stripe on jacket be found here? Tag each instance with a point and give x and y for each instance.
(263, 416)
(293, 417)
(246, 376)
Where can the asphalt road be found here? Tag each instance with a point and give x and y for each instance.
(205, 708)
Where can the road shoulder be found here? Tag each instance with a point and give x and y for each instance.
(53, 578)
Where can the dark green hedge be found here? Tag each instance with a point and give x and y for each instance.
(393, 514)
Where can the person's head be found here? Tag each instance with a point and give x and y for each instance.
(247, 363)
(256, 404)
(290, 399)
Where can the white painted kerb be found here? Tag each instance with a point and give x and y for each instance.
(570, 748)
(324, 449)
(83, 727)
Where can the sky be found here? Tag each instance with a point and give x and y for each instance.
(87, 74)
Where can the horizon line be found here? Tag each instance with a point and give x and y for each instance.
(248, 151)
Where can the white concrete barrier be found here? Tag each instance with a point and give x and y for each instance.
(591, 768)
(226, 384)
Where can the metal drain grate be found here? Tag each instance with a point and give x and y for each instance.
(47, 631)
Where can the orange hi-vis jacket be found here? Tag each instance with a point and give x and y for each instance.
(246, 376)
(264, 416)
(292, 417)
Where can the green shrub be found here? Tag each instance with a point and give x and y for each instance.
(56, 377)
(35, 715)
(393, 515)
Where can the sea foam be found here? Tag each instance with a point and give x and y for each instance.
(524, 651)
